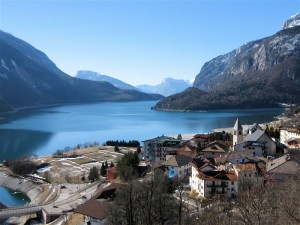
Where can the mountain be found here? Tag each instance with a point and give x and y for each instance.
(169, 86)
(90, 75)
(261, 73)
(28, 78)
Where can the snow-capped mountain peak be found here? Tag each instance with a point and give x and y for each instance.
(293, 21)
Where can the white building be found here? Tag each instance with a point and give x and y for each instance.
(156, 149)
(257, 148)
(261, 136)
(179, 166)
(207, 182)
(214, 149)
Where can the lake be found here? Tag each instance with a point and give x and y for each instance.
(45, 130)
(12, 198)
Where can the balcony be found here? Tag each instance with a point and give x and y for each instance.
(218, 192)
(223, 185)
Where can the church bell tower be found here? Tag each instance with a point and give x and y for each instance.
(237, 133)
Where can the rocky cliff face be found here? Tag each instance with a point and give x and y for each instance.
(254, 57)
(292, 22)
(261, 73)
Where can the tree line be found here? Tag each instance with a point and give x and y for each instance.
(154, 202)
(157, 200)
(131, 143)
(21, 166)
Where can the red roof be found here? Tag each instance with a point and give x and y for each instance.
(98, 206)
(218, 176)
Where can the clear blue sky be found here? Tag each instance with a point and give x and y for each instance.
(141, 41)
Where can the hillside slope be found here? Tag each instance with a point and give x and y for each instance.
(260, 73)
(28, 78)
(90, 75)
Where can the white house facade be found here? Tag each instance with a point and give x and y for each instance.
(179, 166)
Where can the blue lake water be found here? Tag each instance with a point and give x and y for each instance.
(12, 198)
(43, 131)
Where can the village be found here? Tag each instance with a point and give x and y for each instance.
(213, 165)
(205, 169)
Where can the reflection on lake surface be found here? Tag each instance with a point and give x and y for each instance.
(43, 131)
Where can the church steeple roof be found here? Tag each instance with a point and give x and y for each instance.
(237, 125)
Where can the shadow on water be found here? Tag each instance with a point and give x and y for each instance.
(17, 143)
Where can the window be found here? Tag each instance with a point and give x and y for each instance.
(232, 183)
(232, 189)
(172, 172)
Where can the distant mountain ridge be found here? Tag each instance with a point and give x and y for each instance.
(169, 86)
(260, 73)
(28, 78)
(90, 75)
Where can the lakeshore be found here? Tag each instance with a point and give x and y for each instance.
(30, 189)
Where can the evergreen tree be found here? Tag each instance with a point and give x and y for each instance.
(277, 134)
(103, 169)
(179, 137)
(272, 131)
(111, 164)
(138, 150)
(94, 174)
(106, 164)
(127, 165)
(117, 148)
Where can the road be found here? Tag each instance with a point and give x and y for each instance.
(70, 201)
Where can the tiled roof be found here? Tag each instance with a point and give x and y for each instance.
(289, 167)
(199, 162)
(246, 166)
(204, 136)
(178, 160)
(244, 154)
(201, 137)
(218, 176)
(94, 208)
(254, 127)
(98, 206)
(161, 139)
(214, 148)
(254, 136)
(185, 149)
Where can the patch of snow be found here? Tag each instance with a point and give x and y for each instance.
(3, 75)
(4, 65)
(43, 170)
(14, 64)
(62, 159)
(292, 22)
(37, 176)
